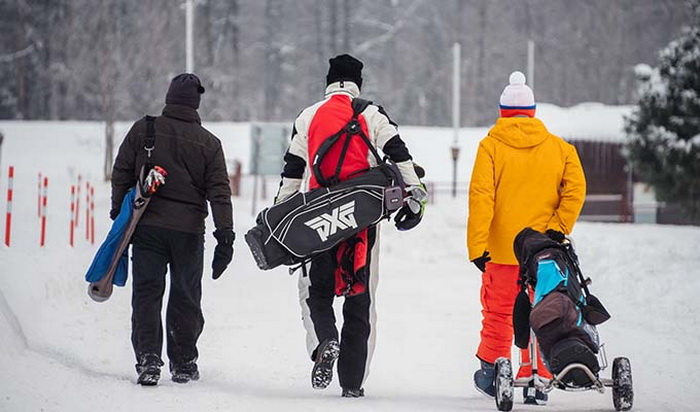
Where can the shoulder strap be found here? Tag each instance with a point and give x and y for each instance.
(150, 141)
(350, 129)
(359, 106)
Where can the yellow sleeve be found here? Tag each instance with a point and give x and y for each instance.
(482, 189)
(573, 194)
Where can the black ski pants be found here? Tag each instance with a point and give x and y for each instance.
(317, 294)
(155, 248)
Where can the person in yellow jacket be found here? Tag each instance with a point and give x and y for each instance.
(523, 176)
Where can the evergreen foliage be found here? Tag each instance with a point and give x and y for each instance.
(664, 129)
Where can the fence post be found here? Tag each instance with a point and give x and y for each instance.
(87, 211)
(38, 197)
(77, 201)
(8, 216)
(42, 240)
(72, 215)
(92, 215)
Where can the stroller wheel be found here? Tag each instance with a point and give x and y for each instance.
(623, 394)
(504, 384)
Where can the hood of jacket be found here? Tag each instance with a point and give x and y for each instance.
(519, 132)
(180, 112)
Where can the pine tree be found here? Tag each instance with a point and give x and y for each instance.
(664, 129)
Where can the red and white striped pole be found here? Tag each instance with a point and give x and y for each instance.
(77, 202)
(72, 215)
(38, 197)
(8, 216)
(87, 211)
(92, 215)
(42, 241)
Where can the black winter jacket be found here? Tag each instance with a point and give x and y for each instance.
(194, 161)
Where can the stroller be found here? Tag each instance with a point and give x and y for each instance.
(556, 310)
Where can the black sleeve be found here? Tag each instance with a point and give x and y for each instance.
(219, 190)
(123, 171)
(396, 149)
(294, 166)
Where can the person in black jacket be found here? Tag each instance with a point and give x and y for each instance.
(171, 230)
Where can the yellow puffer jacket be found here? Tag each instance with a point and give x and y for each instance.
(523, 176)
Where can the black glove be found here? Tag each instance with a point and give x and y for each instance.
(113, 214)
(555, 235)
(480, 262)
(411, 213)
(223, 253)
(405, 219)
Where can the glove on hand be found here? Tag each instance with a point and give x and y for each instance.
(411, 213)
(555, 235)
(480, 262)
(223, 253)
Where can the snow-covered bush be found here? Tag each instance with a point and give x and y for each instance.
(664, 129)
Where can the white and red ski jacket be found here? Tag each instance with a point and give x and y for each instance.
(322, 120)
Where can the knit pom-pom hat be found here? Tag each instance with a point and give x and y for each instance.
(517, 98)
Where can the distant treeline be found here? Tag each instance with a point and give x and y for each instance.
(267, 59)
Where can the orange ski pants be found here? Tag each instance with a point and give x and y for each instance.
(499, 287)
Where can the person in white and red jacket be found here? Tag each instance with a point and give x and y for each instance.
(329, 273)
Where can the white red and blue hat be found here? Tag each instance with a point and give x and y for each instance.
(517, 98)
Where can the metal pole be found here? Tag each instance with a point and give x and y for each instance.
(456, 105)
(531, 64)
(257, 132)
(630, 194)
(189, 43)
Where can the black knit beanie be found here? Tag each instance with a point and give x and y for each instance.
(344, 67)
(185, 89)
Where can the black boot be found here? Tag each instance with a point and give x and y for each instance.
(326, 354)
(532, 396)
(484, 379)
(148, 369)
(353, 393)
(184, 372)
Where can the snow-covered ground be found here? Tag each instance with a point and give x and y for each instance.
(59, 351)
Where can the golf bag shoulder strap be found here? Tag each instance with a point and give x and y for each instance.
(150, 141)
(359, 106)
(350, 129)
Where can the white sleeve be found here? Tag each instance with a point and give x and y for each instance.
(296, 160)
(384, 134)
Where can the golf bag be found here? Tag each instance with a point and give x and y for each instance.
(110, 265)
(307, 224)
(560, 309)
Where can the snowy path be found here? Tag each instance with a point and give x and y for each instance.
(77, 355)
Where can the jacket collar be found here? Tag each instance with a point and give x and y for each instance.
(180, 112)
(345, 87)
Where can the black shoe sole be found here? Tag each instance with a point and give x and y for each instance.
(322, 372)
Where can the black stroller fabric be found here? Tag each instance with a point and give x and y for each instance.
(563, 309)
(310, 223)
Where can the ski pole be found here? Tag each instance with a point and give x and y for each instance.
(8, 216)
(42, 242)
(72, 215)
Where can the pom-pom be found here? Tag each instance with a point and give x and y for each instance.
(516, 78)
